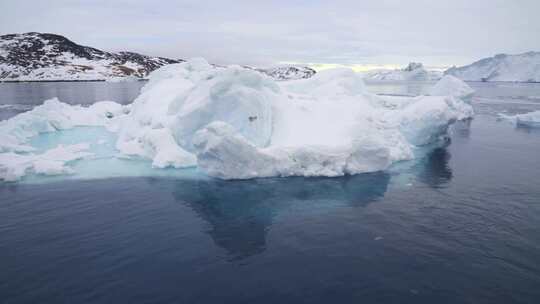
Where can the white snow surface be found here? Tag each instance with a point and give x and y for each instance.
(236, 123)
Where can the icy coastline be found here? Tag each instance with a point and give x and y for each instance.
(236, 123)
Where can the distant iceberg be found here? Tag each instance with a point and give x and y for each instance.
(413, 72)
(515, 68)
(531, 119)
(236, 123)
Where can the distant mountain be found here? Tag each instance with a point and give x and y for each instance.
(288, 72)
(37, 56)
(413, 72)
(47, 57)
(517, 68)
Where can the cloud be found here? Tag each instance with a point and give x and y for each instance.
(263, 32)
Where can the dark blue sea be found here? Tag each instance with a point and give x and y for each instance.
(460, 225)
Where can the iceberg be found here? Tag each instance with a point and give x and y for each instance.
(523, 67)
(415, 71)
(236, 123)
(452, 86)
(54, 115)
(181, 99)
(18, 158)
(14, 166)
(531, 119)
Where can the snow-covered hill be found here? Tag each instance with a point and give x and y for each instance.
(413, 72)
(288, 72)
(48, 57)
(37, 56)
(517, 68)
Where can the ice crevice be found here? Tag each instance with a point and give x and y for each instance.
(236, 123)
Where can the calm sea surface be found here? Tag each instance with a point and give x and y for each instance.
(461, 225)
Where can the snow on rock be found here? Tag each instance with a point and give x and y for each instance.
(49, 57)
(413, 72)
(237, 123)
(516, 68)
(531, 119)
(42, 56)
(288, 72)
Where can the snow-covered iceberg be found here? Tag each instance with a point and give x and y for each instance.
(415, 71)
(236, 123)
(502, 67)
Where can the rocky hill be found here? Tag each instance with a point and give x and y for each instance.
(288, 72)
(50, 57)
(38, 56)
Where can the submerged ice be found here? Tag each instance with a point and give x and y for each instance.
(236, 123)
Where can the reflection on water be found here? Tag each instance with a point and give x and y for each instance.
(461, 129)
(527, 129)
(434, 170)
(240, 213)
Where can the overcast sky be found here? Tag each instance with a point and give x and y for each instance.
(361, 33)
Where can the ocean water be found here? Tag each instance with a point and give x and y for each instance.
(23, 96)
(460, 225)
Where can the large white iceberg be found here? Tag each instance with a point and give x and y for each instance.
(235, 123)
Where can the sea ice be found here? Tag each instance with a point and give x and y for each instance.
(14, 166)
(54, 115)
(18, 157)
